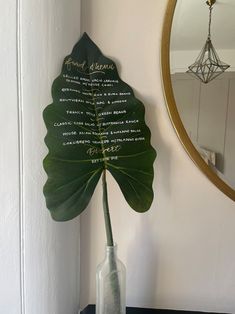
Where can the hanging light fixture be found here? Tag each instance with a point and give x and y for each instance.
(208, 65)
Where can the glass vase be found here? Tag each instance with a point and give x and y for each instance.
(111, 284)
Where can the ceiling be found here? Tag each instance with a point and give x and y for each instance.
(190, 25)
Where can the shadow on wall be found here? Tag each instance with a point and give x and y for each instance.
(141, 265)
(162, 164)
(85, 249)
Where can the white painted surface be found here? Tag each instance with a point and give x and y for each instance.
(39, 259)
(229, 152)
(187, 96)
(213, 116)
(180, 254)
(9, 178)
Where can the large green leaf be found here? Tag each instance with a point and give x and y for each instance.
(94, 123)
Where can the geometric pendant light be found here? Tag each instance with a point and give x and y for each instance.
(208, 65)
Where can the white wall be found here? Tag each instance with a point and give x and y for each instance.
(39, 259)
(9, 178)
(180, 254)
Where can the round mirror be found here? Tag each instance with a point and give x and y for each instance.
(198, 71)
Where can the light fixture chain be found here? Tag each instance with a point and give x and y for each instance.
(209, 26)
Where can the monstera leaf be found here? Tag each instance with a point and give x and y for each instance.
(94, 124)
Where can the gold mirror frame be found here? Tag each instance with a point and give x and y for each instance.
(172, 108)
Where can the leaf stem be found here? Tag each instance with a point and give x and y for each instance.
(108, 226)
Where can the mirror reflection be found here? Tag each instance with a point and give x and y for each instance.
(207, 110)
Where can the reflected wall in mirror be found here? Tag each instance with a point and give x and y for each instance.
(203, 114)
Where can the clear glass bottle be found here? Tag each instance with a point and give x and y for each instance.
(111, 284)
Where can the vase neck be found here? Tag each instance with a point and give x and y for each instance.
(111, 250)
